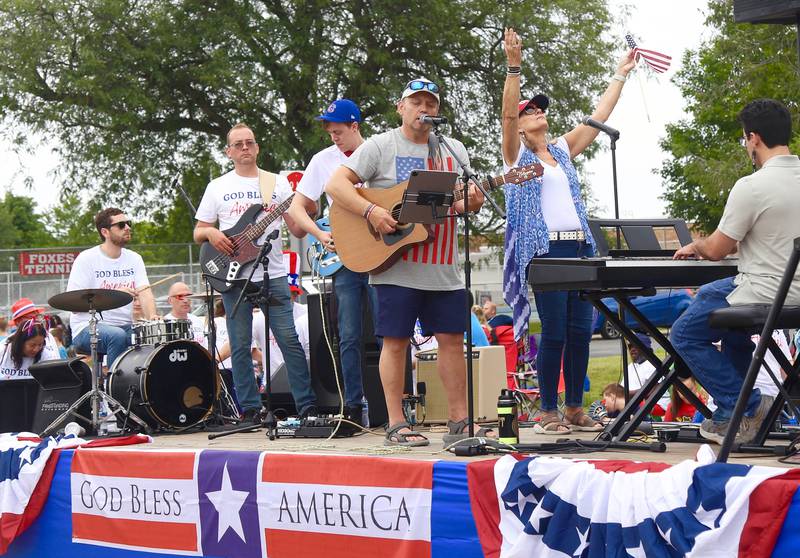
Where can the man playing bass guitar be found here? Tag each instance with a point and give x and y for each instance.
(425, 281)
(226, 198)
(341, 120)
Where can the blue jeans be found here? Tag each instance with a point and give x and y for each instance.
(721, 372)
(349, 286)
(566, 333)
(112, 340)
(281, 322)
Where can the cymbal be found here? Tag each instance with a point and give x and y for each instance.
(83, 300)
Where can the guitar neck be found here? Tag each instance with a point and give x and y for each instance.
(259, 227)
(488, 184)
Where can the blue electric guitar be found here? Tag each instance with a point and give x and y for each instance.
(323, 263)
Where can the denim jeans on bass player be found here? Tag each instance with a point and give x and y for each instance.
(281, 322)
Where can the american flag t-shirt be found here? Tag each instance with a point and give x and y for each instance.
(442, 249)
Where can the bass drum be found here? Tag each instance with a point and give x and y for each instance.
(173, 385)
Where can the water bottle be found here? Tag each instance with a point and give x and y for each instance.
(102, 416)
(507, 417)
(364, 412)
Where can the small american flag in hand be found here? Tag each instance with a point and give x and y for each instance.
(656, 60)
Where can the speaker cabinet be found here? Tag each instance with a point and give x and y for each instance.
(766, 11)
(489, 377)
(61, 383)
(322, 378)
(18, 405)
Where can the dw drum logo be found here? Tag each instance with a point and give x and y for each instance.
(179, 355)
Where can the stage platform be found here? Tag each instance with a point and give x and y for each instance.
(244, 495)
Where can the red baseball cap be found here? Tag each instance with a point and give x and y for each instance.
(23, 307)
(540, 101)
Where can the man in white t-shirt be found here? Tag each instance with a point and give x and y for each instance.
(178, 298)
(110, 266)
(341, 120)
(226, 198)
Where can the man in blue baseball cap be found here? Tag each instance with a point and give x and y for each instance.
(341, 120)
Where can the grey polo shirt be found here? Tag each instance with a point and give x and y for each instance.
(763, 214)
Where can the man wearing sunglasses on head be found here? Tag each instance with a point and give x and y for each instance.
(425, 283)
(225, 200)
(110, 266)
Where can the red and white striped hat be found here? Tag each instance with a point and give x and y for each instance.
(23, 307)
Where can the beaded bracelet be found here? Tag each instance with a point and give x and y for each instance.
(368, 210)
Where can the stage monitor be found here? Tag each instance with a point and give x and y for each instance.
(766, 11)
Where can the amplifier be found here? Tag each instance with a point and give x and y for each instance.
(489, 377)
(61, 383)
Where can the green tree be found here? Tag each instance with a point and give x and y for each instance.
(137, 90)
(71, 222)
(25, 228)
(739, 63)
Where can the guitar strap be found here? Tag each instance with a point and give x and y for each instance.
(434, 152)
(266, 183)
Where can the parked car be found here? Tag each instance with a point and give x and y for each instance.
(662, 309)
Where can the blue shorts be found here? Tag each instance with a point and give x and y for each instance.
(438, 311)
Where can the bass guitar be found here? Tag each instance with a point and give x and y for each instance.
(323, 263)
(222, 269)
(363, 249)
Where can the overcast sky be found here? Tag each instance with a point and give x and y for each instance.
(647, 104)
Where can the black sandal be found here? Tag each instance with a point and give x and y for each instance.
(457, 431)
(396, 438)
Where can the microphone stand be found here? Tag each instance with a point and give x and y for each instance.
(466, 176)
(262, 299)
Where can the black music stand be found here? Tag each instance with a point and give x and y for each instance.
(428, 197)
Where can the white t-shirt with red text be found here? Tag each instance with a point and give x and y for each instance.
(228, 197)
(93, 269)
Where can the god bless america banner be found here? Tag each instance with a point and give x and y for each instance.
(113, 502)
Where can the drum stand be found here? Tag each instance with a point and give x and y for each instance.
(96, 394)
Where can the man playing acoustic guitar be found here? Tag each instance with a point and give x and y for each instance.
(226, 198)
(341, 120)
(425, 281)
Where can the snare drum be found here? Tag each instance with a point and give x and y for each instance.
(155, 332)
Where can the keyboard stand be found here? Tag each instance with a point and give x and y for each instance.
(667, 371)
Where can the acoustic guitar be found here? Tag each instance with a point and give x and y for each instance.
(363, 249)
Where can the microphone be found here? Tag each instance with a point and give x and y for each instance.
(433, 120)
(589, 121)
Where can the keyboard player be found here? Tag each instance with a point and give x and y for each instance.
(761, 216)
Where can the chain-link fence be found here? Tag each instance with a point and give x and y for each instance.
(184, 266)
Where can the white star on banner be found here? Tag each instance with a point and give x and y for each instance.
(25, 455)
(637, 552)
(707, 517)
(582, 537)
(228, 502)
(522, 501)
(536, 518)
(666, 535)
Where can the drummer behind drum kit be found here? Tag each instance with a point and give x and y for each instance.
(165, 380)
